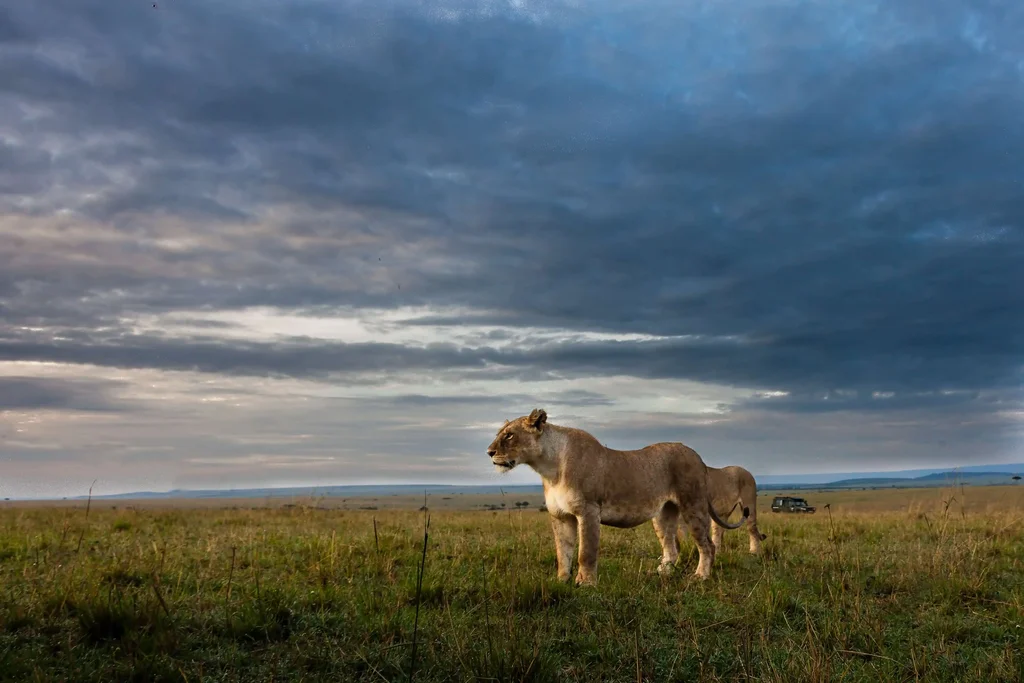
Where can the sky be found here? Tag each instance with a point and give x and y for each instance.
(260, 243)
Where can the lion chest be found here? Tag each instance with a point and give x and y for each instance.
(561, 502)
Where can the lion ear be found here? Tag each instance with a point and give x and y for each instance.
(537, 418)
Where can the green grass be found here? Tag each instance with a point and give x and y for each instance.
(928, 593)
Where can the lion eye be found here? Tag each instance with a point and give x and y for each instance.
(508, 437)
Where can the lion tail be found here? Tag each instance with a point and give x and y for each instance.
(721, 523)
(714, 515)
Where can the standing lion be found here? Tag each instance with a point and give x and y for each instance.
(587, 485)
(730, 487)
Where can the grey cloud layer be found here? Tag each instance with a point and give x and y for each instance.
(34, 393)
(839, 188)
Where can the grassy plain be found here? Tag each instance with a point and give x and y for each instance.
(890, 585)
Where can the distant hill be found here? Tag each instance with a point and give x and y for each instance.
(934, 479)
(820, 479)
(937, 479)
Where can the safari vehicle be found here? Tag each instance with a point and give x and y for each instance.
(791, 504)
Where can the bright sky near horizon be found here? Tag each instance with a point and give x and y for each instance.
(251, 243)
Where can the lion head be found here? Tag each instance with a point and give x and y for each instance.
(518, 441)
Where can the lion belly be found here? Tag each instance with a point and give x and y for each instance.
(627, 516)
(562, 503)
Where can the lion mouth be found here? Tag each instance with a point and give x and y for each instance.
(504, 465)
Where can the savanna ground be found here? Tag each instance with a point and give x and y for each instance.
(893, 585)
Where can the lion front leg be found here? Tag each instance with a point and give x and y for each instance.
(589, 530)
(565, 544)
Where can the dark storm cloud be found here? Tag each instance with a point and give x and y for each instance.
(22, 170)
(849, 384)
(562, 398)
(10, 30)
(36, 393)
(827, 360)
(962, 403)
(291, 359)
(838, 189)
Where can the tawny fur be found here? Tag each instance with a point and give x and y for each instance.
(587, 485)
(731, 487)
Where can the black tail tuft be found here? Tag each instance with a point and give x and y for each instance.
(746, 512)
(764, 536)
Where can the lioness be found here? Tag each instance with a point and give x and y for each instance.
(728, 487)
(587, 485)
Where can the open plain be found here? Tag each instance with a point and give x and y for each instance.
(894, 585)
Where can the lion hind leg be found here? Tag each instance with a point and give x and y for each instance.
(666, 525)
(755, 534)
(698, 521)
(589, 533)
(716, 535)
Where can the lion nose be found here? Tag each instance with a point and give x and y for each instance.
(492, 452)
